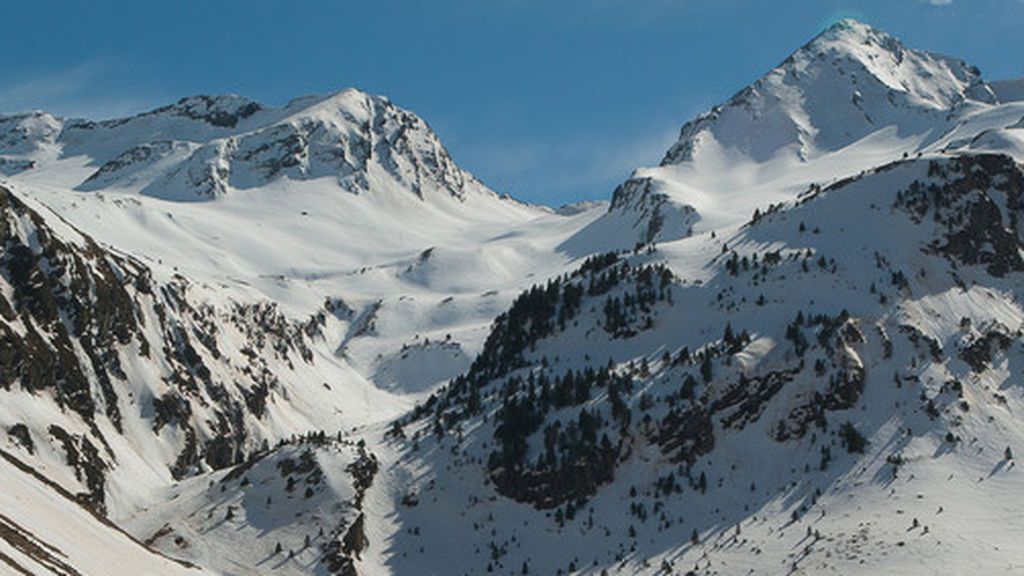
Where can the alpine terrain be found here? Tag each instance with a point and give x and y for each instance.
(242, 339)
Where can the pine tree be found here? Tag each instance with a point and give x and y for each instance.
(689, 385)
(706, 370)
(852, 439)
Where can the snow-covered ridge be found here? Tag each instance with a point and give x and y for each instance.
(203, 147)
(850, 99)
(846, 83)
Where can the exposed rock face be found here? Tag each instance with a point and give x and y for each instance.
(639, 201)
(222, 111)
(26, 133)
(12, 166)
(130, 161)
(64, 297)
(79, 321)
(842, 333)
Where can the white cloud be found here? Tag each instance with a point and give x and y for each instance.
(75, 91)
(940, 2)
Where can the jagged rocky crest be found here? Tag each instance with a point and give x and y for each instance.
(204, 146)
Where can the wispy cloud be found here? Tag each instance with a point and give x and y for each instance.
(940, 2)
(75, 91)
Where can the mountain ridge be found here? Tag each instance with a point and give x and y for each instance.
(201, 147)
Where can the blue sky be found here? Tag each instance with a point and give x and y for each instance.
(550, 100)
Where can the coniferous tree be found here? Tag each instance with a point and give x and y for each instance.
(852, 439)
(706, 370)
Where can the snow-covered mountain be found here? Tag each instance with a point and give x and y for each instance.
(850, 81)
(154, 331)
(821, 395)
(203, 147)
(800, 356)
(302, 340)
(851, 99)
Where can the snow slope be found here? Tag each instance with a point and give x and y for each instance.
(184, 288)
(719, 440)
(280, 512)
(45, 531)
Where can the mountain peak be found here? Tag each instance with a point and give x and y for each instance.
(850, 27)
(200, 147)
(858, 41)
(850, 92)
(854, 38)
(850, 81)
(348, 98)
